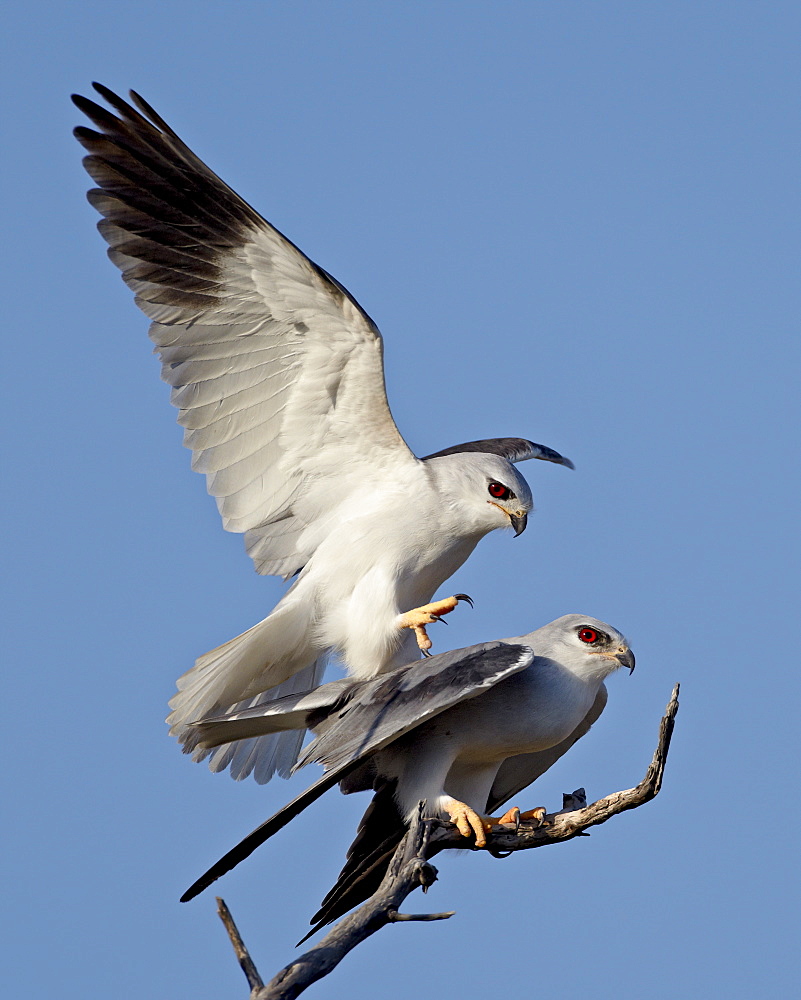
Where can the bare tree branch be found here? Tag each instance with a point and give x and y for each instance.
(255, 982)
(395, 917)
(410, 868)
(570, 823)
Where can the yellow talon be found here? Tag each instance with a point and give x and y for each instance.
(537, 814)
(427, 614)
(510, 818)
(468, 822)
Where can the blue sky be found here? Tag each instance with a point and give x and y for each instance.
(576, 223)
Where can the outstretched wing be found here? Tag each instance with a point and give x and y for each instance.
(357, 721)
(517, 773)
(512, 449)
(268, 356)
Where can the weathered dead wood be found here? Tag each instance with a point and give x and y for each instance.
(570, 823)
(410, 868)
(255, 981)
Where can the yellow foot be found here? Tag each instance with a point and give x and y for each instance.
(510, 818)
(536, 815)
(418, 618)
(467, 821)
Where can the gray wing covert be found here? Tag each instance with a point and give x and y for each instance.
(376, 713)
(385, 708)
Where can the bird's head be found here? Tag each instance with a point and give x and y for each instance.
(485, 491)
(587, 646)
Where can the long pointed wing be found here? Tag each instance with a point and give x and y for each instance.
(385, 708)
(268, 356)
(376, 713)
(517, 773)
(277, 716)
(256, 837)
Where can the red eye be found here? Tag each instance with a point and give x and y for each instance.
(588, 635)
(499, 491)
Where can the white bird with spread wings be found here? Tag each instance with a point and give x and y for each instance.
(278, 376)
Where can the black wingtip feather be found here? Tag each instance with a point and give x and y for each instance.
(152, 114)
(122, 107)
(263, 832)
(163, 176)
(380, 831)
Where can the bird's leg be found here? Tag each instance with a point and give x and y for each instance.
(427, 614)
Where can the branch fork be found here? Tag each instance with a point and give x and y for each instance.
(410, 869)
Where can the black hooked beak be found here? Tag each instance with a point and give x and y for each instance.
(625, 658)
(519, 522)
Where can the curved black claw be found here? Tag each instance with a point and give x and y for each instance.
(465, 597)
(499, 854)
(425, 652)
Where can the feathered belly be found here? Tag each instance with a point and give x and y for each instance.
(524, 714)
(365, 580)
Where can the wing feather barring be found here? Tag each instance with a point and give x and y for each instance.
(277, 374)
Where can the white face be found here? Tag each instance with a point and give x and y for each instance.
(579, 639)
(489, 491)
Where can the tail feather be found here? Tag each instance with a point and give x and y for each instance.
(263, 756)
(258, 836)
(380, 831)
(265, 655)
(274, 658)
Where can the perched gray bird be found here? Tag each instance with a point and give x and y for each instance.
(278, 376)
(465, 730)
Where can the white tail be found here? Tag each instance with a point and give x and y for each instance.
(276, 657)
(263, 756)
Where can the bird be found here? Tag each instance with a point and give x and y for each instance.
(465, 730)
(277, 373)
